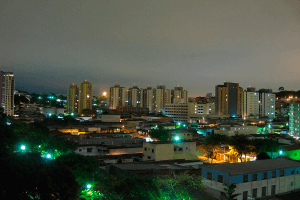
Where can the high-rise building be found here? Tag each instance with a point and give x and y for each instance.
(7, 88)
(134, 96)
(85, 96)
(266, 103)
(229, 99)
(179, 95)
(116, 96)
(148, 98)
(294, 118)
(160, 98)
(181, 112)
(72, 99)
(250, 103)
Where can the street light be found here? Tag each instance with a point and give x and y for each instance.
(23, 147)
(88, 186)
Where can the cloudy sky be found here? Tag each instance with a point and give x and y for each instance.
(195, 44)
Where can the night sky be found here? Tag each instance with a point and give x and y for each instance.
(195, 44)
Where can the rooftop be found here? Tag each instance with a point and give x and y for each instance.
(290, 147)
(255, 166)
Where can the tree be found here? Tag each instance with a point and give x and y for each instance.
(266, 145)
(213, 143)
(262, 156)
(20, 99)
(83, 167)
(281, 89)
(230, 189)
(242, 145)
(160, 133)
(29, 176)
(180, 186)
(8, 139)
(37, 138)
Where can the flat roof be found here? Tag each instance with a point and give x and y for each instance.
(147, 166)
(254, 166)
(290, 147)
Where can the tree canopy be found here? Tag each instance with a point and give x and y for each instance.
(160, 133)
(29, 176)
(242, 145)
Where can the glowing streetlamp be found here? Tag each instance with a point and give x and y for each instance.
(88, 186)
(280, 152)
(23, 147)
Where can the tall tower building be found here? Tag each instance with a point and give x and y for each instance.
(266, 103)
(294, 118)
(180, 95)
(7, 88)
(134, 96)
(250, 102)
(148, 98)
(229, 98)
(116, 96)
(160, 98)
(85, 96)
(72, 99)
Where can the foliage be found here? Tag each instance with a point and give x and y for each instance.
(8, 139)
(242, 145)
(128, 187)
(29, 176)
(87, 112)
(262, 156)
(213, 143)
(161, 186)
(83, 167)
(91, 195)
(46, 101)
(179, 186)
(230, 189)
(20, 99)
(36, 137)
(160, 133)
(266, 145)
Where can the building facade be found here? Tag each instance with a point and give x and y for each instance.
(250, 103)
(85, 94)
(229, 98)
(294, 118)
(181, 112)
(266, 103)
(72, 99)
(116, 96)
(169, 151)
(134, 96)
(254, 179)
(179, 95)
(7, 88)
(148, 98)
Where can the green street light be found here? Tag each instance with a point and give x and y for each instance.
(23, 147)
(48, 156)
(177, 138)
(88, 186)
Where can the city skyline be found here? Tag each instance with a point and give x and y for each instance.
(197, 45)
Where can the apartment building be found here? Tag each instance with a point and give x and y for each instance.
(253, 179)
(7, 88)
